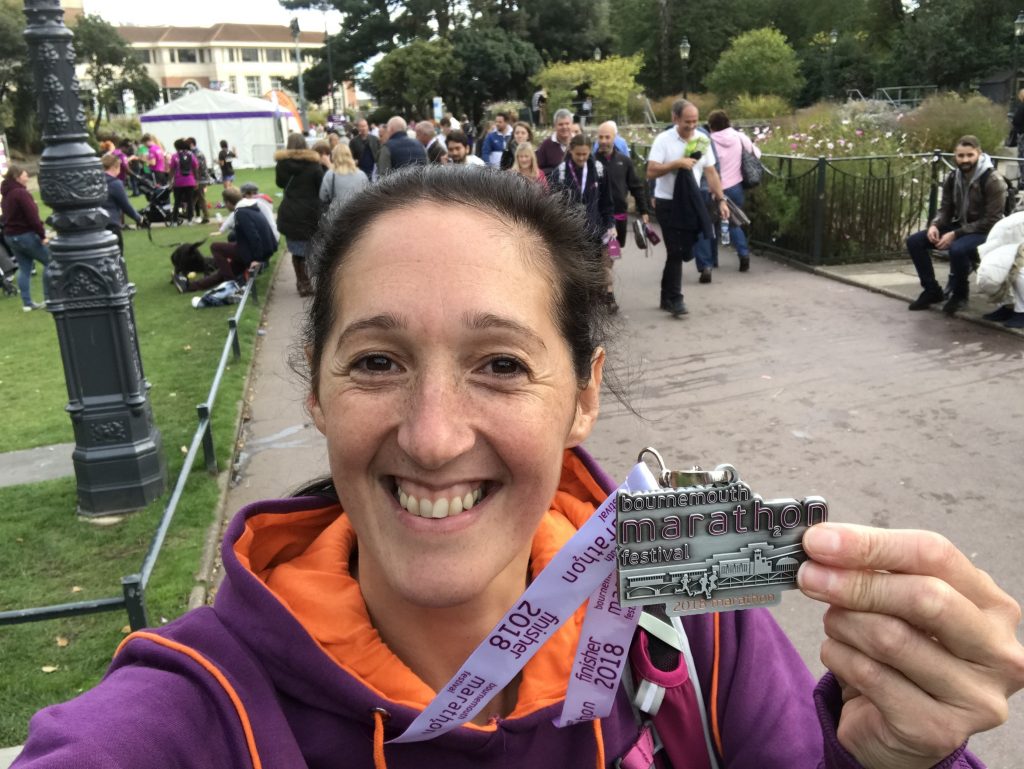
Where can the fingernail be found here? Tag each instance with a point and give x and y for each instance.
(814, 578)
(822, 540)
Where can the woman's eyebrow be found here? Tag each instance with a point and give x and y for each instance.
(386, 321)
(482, 321)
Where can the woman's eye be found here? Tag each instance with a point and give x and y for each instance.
(505, 367)
(375, 364)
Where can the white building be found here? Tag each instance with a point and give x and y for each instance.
(248, 59)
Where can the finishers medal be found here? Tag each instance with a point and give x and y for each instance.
(705, 542)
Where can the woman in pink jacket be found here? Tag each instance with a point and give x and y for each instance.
(729, 145)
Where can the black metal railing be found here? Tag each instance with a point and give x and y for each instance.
(133, 586)
(851, 209)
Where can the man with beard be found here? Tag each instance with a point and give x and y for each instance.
(552, 150)
(458, 150)
(623, 179)
(973, 199)
(680, 157)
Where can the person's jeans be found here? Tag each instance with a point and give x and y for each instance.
(736, 234)
(961, 255)
(678, 249)
(27, 248)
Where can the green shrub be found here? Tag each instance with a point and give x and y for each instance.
(760, 61)
(119, 127)
(945, 117)
(748, 107)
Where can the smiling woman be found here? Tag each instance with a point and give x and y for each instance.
(455, 352)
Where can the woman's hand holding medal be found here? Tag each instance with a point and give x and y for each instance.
(923, 643)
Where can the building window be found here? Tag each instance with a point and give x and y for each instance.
(274, 54)
(188, 56)
(250, 54)
(232, 54)
(144, 55)
(275, 84)
(252, 85)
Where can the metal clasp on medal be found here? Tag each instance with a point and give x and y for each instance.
(695, 476)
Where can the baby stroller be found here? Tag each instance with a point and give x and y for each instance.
(7, 269)
(159, 209)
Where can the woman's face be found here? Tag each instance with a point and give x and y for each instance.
(447, 402)
(23, 178)
(525, 161)
(521, 135)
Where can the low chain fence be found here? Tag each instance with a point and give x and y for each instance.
(133, 586)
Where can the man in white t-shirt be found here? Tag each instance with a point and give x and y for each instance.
(678, 203)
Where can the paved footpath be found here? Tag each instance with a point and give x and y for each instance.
(808, 385)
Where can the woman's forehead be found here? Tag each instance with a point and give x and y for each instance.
(445, 248)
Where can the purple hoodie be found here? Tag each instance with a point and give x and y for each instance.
(242, 684)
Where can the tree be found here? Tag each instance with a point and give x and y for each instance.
(493, 65)
(17, 97)
(611, 83)
(112, 66)
(757, 62)
(408, 78)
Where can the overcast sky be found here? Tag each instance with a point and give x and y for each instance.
(203, 13)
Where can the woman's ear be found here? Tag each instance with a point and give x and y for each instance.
(588, 402)
(312, 400)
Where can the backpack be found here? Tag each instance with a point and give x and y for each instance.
(204, 170)
(751, 169)
(228, 292)
(186, 161)
(1010, 203)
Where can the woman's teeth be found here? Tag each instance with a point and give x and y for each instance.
(439, 508)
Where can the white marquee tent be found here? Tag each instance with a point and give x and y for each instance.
(255, 128)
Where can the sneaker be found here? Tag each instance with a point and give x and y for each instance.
(954, 305)
(1017, 321)
(744, 263)
(928, 297)
(678, 308)
(705, 275)
(30, 307)
(1002, 313)
(180, 282)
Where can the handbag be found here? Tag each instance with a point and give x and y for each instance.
(751, 169)
(737, 216)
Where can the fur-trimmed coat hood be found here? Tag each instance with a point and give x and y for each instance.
(299, 174)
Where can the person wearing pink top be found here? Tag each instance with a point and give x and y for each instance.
(729, 145)
(184, 168)
(157, 160)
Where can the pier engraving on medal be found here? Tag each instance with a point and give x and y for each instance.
(712, 547)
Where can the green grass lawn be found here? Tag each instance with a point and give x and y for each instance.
(51, 556)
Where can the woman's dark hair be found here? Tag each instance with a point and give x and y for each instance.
(223, 144)
(180, 145)
(551, 231)
(14, 171)
(718, 120)
(296, 142)
(579, 140)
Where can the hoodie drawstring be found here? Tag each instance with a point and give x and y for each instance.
(599, 738)
(379, 716)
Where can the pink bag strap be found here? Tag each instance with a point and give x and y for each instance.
(641, 754)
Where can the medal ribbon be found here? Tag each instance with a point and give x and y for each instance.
(584, 567)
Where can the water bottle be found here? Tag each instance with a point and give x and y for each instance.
(725, 232)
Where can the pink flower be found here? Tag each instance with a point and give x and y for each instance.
(794, 146)
(859, 132)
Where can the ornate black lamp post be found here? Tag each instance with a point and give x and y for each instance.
(298, 65)
(833, 38)
(684, 56)
(119, 463)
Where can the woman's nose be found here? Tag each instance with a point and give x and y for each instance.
(436, 427)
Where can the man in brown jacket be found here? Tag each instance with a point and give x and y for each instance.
(973, 200)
